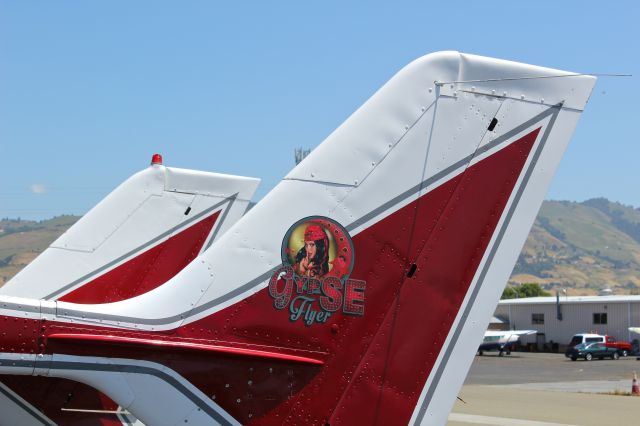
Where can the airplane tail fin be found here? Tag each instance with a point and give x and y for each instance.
(358, 290)
(427, 193)
(143, 233)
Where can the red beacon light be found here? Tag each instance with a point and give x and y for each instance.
(156, 160)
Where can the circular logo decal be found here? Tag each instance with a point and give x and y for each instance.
(313, 283)
(318, 247)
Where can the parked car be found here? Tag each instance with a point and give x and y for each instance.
(583, 338)
(588, 351)
(624, 348)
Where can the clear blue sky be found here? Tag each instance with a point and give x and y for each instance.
(90, 89)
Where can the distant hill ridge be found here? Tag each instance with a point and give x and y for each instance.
(586, 247)
(583, 247)
(22, 240)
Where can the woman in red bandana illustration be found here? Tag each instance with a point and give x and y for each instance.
(314, 280)
(312, 259)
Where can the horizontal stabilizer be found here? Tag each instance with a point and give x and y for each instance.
(138, 237)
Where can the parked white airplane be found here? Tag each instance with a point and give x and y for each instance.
(358, 290)
(501, 341)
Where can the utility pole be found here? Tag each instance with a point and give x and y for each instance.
(300, 154)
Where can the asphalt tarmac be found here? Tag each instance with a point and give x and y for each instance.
(532, 389)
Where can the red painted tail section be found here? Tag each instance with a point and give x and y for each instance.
(371, 368)
(147, 270)
(379, 364)
(415, 327)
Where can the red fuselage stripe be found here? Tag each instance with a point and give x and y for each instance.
(153, 344)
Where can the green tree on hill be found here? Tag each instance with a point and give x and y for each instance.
(524, 290)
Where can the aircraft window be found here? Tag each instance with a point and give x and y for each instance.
(492, 338)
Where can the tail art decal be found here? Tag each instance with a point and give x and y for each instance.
(313, 281)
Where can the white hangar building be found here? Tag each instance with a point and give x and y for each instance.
(558, 318)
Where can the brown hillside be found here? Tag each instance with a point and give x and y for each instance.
(584, 247)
